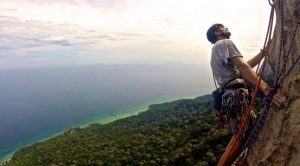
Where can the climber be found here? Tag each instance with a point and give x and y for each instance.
(232, 72)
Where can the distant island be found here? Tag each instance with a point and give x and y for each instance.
(181, 132)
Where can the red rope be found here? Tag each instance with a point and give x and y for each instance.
(246, 117)
(269, 33)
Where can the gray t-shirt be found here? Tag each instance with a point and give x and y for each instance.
(220, 62)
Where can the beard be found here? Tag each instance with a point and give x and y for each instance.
(226, 34)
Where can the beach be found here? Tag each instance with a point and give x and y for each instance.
(127, 112)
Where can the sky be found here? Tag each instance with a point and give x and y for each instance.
(58, 32)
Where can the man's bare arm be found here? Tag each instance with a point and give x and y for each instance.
(249, 75)
(255, 60)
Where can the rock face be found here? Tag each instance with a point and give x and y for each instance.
(279, 140)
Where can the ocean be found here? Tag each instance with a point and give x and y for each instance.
(38, 103)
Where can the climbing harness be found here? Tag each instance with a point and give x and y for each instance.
(218, 93)
(219, 104)
(235, 103)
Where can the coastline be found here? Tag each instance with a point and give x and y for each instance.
(119, 114)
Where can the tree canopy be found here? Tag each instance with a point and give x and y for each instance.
(181, 132)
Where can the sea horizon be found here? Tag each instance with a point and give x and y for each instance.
(106, 117)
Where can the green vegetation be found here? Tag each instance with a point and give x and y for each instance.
(175, 133)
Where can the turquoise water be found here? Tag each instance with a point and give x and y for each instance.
(39, 104)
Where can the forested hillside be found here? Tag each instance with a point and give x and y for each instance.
(175, 133)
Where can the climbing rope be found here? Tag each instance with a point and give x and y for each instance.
(247, 115)
(289, 51)
(281, 73)
(268, 35)
(297, 14)
(281, 12)
(278, 82)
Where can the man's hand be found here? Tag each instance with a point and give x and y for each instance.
(279, 99)
(263, 52)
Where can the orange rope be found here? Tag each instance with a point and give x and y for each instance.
(246, 117)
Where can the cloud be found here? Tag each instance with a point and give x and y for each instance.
(18, 35)
(30, 40)
(109, 3)
(125, 30)
(22, 42)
